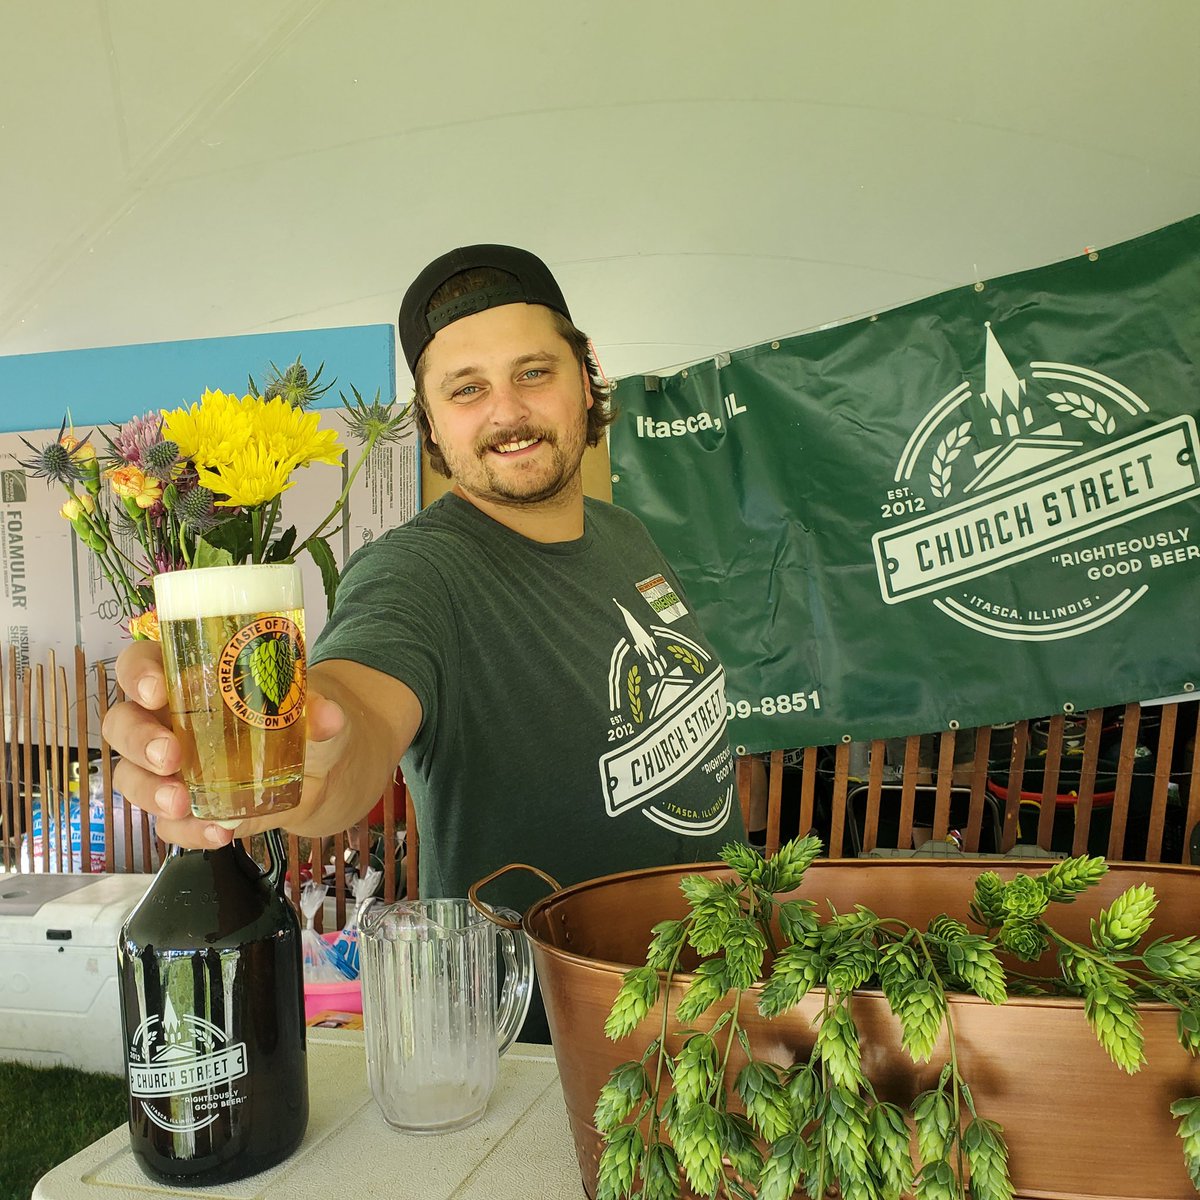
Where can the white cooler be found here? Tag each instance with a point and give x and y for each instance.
(59, 999)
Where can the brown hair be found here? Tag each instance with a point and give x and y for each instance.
(599, 416)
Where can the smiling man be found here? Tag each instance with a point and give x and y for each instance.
(525, 651)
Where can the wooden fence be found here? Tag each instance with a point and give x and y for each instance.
(1123, 783)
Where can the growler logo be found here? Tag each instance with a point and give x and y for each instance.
(182, 1055)
(1040, 508)
(261, 673)
(666, 697)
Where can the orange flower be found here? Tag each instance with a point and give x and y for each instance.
(81, 452)
(144, 627)
(134, 484)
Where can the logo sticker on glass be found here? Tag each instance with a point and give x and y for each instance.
(261, 673)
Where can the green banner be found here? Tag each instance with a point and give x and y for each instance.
(975, 508)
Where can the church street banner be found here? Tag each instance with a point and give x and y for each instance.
(975, 508)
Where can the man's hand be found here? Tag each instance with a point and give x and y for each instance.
(139, 730)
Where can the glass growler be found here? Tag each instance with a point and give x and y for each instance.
(212, 1006)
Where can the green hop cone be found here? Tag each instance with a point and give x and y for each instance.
(709, 985)
(838, 1048)
(921, 1009)
(934, 1117)
(626, 1085)
(792, 860)
(1024, 937)
(986, 904)
(665, 944)
(740, 1144)
(745, 945)
(765, 1099)
(853, 964)
(987, 1156)
(1066, 879)
(695, 1067)
(898, 967)
(1177, 960)
(1188, 1028)
(714, 909)
(618, 1163)
(793, 974)
(696, 1133)
(937, 1181)
(972, 959)
(946, 928)
(799, 923)
(1025, 896)
(1122, 925)
(1114, 1019)
(1188, 1112)
(637, 994)
(744, 859)
(845, 1130)
(804, 1093)
(273, 666)
(889, 1142)
(788, 1161)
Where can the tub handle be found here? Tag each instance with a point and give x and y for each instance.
(495, 917)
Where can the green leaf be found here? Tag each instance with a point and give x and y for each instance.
(318, 548)
(208, 555)
(281, 548)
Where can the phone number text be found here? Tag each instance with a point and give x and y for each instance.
(771, 706)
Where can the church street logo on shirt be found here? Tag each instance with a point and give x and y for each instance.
(1025, 513)
(666, 696)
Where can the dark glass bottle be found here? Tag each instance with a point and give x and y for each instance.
(212, 1005)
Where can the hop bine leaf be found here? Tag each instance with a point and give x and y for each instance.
(637, 994)
(1110, 1010)
(789, 1159)
(837, 1045)
(987, 902)
(695, 1068)
(1026, 896)
(618, 1163)
(1188, 1112)
(626, 1085)
(887, 1136)
(934, 1117)
(696, 1132)
(665, 944)
(710, 984)
(765, 1099)
(1066, 879)
(987, 1156)
(793, 974)
(1122, 925)
(1177, 960)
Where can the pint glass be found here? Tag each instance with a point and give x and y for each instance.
(233, 651)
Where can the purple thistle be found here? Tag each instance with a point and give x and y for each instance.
(135, 437)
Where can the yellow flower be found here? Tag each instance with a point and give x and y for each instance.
(131, 482)
(144, 627)
(288, 433)
(211, 432)
(252, 477)
(76, 506)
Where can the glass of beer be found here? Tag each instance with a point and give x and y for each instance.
(233, 651)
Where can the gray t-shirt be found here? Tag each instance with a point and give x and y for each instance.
(574, 716)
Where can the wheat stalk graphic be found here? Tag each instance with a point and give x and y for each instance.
(633, 687)
(1085, 409)
(948, 449)
(686, 656)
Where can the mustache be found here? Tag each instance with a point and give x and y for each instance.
(518, 433)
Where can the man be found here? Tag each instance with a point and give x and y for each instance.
(525, 651)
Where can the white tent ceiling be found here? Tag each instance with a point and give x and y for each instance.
(700, 175)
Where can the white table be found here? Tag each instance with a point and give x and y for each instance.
(521, 1149)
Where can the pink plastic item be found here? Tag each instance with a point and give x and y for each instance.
(343, 996)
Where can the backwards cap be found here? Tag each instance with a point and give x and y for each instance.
(531, 283)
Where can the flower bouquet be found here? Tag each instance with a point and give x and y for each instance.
(201, 486)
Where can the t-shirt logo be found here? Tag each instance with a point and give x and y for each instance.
(661, 597)
(666, 696)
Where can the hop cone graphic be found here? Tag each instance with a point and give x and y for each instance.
(273, 667)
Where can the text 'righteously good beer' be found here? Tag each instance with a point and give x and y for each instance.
(233, 650)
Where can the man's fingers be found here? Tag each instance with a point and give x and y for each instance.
(193, 833)
(153, 793)
(142, 737)
(324, 718)
(140, 674)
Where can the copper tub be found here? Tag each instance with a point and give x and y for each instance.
(1076, 1125)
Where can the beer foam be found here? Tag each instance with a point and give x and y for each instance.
(227, 591)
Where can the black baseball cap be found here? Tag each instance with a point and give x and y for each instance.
(531, 283)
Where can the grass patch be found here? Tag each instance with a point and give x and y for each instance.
(46, 1115)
